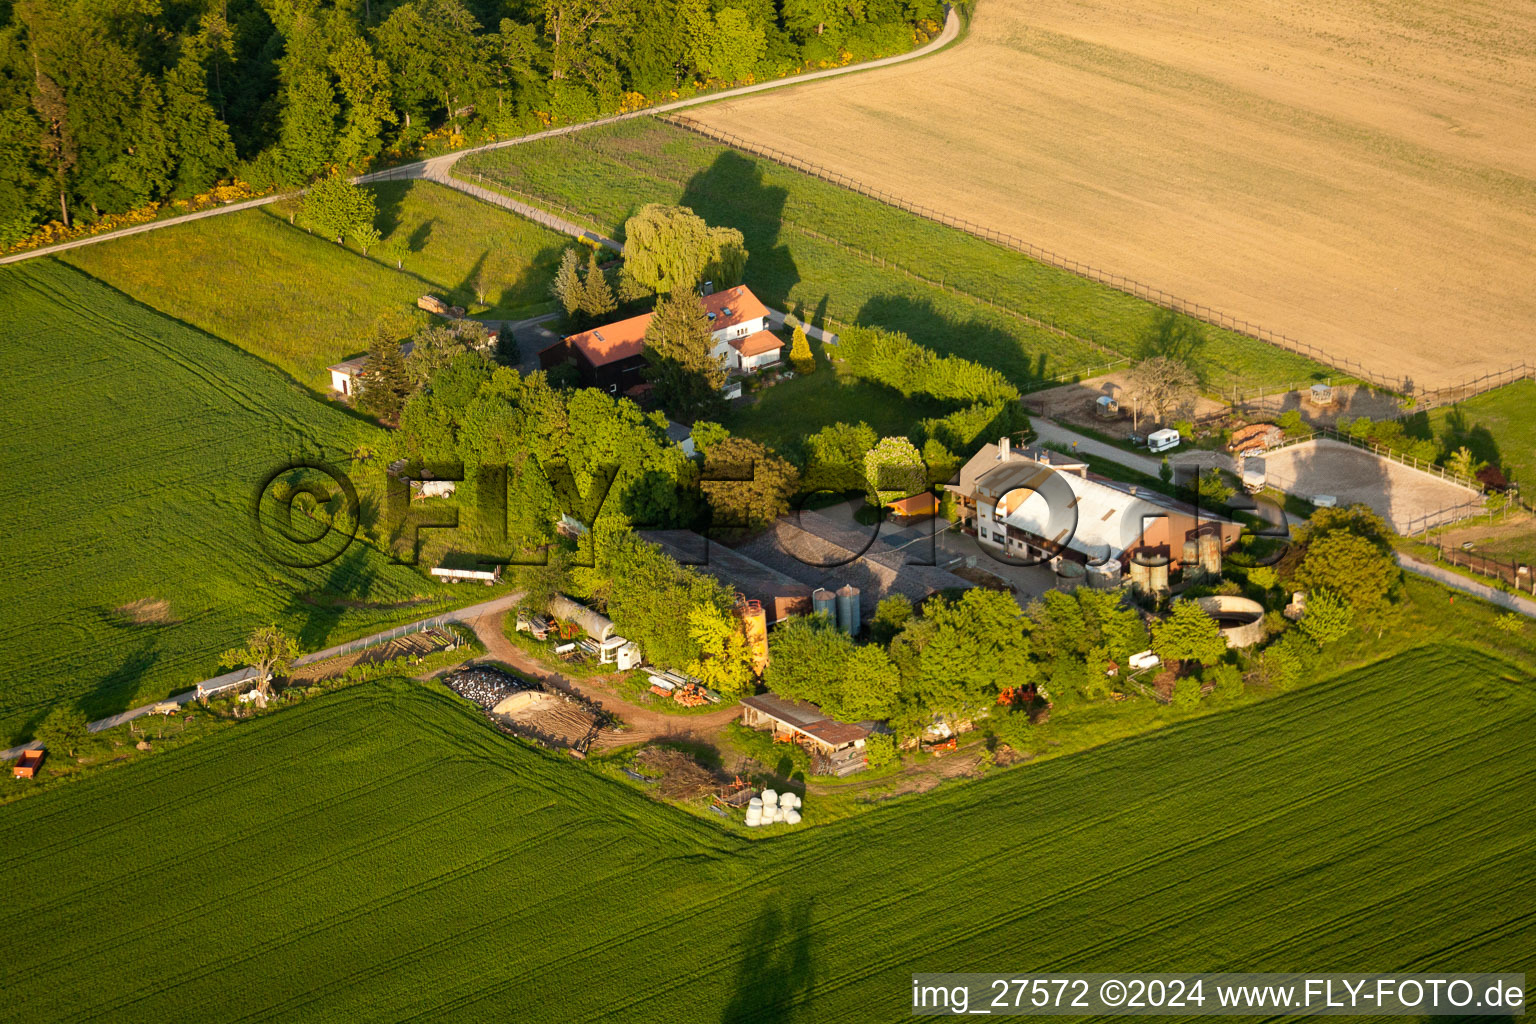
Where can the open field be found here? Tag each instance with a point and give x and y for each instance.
(1359, 178)
(435, 869)
(824, 251)
(131, 555)
(302, 302)
(1498, 426)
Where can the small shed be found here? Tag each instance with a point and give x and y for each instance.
(598, 627)
(915, 507)
(1106, 407)
(804, 723)
(1321, 394)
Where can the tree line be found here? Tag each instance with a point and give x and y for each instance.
(107, 107)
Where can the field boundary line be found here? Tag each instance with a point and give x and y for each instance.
(1128, 285)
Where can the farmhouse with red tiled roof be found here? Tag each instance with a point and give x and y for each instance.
(611, 357)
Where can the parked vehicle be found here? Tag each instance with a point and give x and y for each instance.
(1253, 475)
(1163, 440)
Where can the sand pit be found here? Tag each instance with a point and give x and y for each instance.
(1409, 499)
(1360, 177)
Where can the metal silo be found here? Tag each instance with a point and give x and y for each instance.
(848, 609)
(823, 603)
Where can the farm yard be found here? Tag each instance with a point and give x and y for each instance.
(132, 555)
(1358, 179)
(427, 869)
(825, 252)
(302, 302)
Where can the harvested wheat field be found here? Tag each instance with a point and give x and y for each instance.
(1360, 177)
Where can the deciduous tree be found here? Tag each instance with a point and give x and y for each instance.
(268, 650)
(1188, 634)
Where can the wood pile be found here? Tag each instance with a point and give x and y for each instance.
(680, 776)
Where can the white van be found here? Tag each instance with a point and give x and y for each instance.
(1162, 440)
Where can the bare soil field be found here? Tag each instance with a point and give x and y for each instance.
(1360, 177)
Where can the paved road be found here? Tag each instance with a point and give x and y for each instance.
(467, 615)
(1456, 581)
(1048, 431)
(441, 165)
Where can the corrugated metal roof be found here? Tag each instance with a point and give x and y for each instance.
(807, 718)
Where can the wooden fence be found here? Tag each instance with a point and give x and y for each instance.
(1518, 576)
(1352, 367)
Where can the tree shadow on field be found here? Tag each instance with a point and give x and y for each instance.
(116, 691)
(421, 236)
(347, 580)
(731, 192)
(388, 199)
(777, 969)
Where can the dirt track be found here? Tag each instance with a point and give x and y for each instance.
(1358, 176)
(643, 724)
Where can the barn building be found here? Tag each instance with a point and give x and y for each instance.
(841, 743)
(1034, 503)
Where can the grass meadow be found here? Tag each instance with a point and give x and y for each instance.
(862, 273)
(1497, 426)
(302, 302)
(382, 853)
(141, 444)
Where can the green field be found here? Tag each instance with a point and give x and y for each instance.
(139, 447)
(302, 302)
(610, 171)
(1499, 428)
(382, 854)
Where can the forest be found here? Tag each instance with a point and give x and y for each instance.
(107, 106)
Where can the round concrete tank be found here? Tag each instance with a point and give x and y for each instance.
(1069, 574)
(1106, 576)
(823, 603)
(1190, 558)
(848, 609)
(1210, 553)
(1240, 620)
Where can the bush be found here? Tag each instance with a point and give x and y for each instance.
(1290, 421)
(1228, 681)
(1012, 727)
(880, 749)
(1186, 692)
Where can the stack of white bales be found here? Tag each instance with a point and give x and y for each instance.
(773, 807)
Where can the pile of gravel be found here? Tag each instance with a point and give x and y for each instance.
(486, 687)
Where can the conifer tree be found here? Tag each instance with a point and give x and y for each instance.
(800, 353)
(567, 287)
(597, 297)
